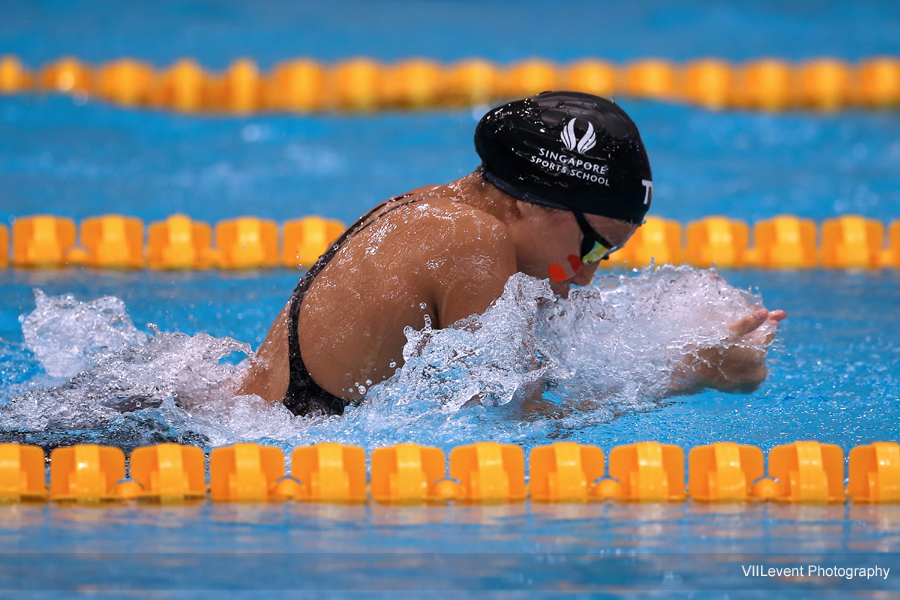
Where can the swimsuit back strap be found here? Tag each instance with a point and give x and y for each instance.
(304, 395)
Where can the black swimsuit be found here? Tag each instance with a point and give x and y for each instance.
(304, 396)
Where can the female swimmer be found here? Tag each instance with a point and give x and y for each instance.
(564, 182)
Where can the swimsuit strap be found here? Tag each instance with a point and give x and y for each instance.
(304, 395)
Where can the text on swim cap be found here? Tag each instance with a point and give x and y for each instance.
(569, 165)
(648, 189)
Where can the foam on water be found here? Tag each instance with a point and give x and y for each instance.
(532, 367)
(68, 336)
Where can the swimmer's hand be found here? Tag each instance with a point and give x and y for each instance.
(738, 364)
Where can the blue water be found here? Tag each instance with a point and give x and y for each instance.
(80, 161)
(834, 374)
(215, 32)
(518, 551)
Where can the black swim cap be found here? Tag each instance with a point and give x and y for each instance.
(567, 150)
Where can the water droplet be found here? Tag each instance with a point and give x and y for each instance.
(423, 305)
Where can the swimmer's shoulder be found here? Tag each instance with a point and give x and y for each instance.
(432, 225)
(461, 257)
(453, 223)
(453, 241)
(437, 206)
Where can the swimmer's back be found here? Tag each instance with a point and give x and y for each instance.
(431, 257)
(433, 250)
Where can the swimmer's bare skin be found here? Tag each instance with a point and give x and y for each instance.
(738, 364)
(453, 251)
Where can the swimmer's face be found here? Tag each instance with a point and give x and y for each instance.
(558, 256)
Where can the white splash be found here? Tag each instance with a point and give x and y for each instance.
(533, 364)
(68, 336)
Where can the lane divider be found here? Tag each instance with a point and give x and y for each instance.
(118, 242)
(804, 472)
(365, 85)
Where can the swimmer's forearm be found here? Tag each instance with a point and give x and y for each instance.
(716, 369)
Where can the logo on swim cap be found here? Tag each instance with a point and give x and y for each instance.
(572, 143)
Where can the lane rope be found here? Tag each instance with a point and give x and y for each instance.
(805, 472)
(365, 85)
(120, 242)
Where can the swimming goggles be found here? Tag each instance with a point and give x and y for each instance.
(594, 246)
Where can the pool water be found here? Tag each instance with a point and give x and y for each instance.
(515, 551)
(833, 372)
(80, 161)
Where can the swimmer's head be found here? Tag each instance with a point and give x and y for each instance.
(567, 150)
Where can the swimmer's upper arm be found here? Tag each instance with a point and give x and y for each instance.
(474, 261)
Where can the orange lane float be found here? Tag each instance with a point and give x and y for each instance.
(766, 489)
(14, 78)
(244, 472)
(471, 82)
(824, 84)
(407, 473)
(852, 242)
(67, 75)
(875, 473)
(297, 86)
(4, 246)
(183, 87)
(708, 83)
(802, 472)
(240, 89)
(717, 241)
(650, 78)
(412, 84)
(355, 85)
(86, 473)
(169, 472)
(879, 83)
(332, 472)
(890, 257)
(111, 241)
(489, 472)
(247, 243)
(808, 471)
(304, 240)
(784, 242)
(126, 81)
(723, 471)
(529, 77)
(564, 472)
(22, 473)
(593, 77)
(179, 243)
(649, 471)
(42, 241)
(657, 241)
(766, 85)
